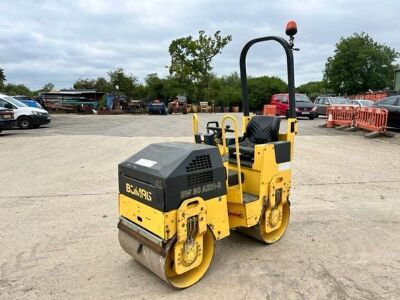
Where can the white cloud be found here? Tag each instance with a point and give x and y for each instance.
(61, 41)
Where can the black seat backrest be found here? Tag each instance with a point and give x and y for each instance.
(263, 129)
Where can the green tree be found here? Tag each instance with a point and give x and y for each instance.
(262, 88)
(182, 63)
(173, 88)
(230, 93)
(2, 78)
(191, 59)
(215, 89)
(164, 89)
(360, 64)
(155, 87)
(313, 89)
(47, 87)
(84, 84)
(17, 89)
(100, 84)
(127, 83)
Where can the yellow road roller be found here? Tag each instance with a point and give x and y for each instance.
(177, 199)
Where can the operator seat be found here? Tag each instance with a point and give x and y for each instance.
(260, 130)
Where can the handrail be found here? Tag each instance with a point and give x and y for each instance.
(233, 119)
(195, 121)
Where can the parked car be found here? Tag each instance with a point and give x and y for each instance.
(27, 117)
(322, 102)
(28, 101)
(7, 120)
(362, 103)
(157, 107)
(304, 107)
(392, 104)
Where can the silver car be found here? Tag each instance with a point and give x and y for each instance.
(362, 103)
(323, 102)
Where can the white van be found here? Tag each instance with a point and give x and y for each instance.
(27, 117)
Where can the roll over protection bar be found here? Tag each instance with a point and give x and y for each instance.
(288, 47)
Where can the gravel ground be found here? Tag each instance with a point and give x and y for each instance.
(58, 212)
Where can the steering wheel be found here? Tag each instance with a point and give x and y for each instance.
(216, 129)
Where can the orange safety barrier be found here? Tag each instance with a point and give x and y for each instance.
(369, 96)
(269, 110)
(340, 115)
(374, 119)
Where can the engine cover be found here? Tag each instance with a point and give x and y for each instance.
(164, 175)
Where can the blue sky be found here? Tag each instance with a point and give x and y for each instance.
(61, 41)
